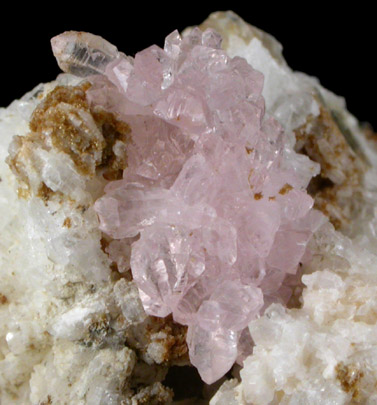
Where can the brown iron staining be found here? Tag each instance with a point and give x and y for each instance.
(48, 401)
(64, 117)
(165, 332)
(115, 133)
(285, 189)
(18, 154)
(94, 140)
(176, 350)
(350, 378)
(98, 331)
(44, 192)
(337, 189)
(3, 299)
(67, 222)
(103, 330)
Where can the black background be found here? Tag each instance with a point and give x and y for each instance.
(335, 44)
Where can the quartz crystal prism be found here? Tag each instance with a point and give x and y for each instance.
(211, 188)
(82, 53)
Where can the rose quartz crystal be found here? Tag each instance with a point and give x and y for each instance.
(212, 210)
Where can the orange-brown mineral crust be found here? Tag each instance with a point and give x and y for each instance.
(59, 117)
(3, 299)
(48, 401)
(113, 130)
(176, 351)
(67, 222)
(349, 377)
(44, 192)
(337, 189)
(285, 189)
(64, 121)
(169, 336)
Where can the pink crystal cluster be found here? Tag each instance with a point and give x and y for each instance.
(212, 206)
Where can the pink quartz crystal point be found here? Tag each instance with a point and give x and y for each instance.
(212, 213)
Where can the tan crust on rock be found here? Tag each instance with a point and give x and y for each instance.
(64, 117)
(337, 189)
(228, 23)
(349, 377)
(175, 343)
(95, 140)
(3, 299)
(167, 335)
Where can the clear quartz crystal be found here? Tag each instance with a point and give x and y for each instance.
(82, 53)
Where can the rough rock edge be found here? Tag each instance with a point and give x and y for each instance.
(157, 343)
(47, 198)
(345, 192)
(337, 190)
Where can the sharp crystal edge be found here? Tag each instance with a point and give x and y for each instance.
(82, 54)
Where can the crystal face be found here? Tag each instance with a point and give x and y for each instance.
(73, 325)
(212, 205)
(82, 53)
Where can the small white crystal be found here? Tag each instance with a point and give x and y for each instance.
(73, 329)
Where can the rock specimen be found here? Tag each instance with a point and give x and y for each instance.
(188, 194)
(75, 330)
(324, 351)
(213, 190)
